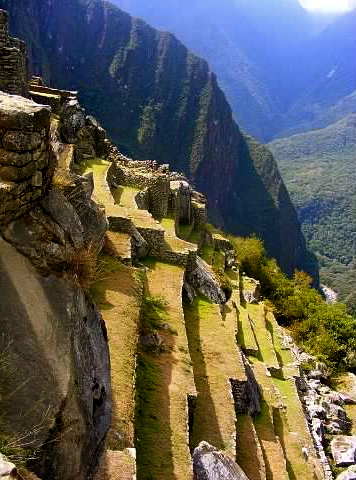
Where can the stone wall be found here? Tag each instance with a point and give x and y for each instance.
(26, 160)
(199, 214)
(13, 73)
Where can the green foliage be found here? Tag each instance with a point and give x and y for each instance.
(319, 170)
(326, 331)
(153, 314)
(224, 281)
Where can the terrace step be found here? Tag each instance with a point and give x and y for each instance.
(117, 465)
(119, 246)
(163, 430)
(215, 361)
(245, 335)
(263, 337)
(266, 429)
(290, 367)
(249, 454)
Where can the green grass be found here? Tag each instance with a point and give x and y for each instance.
(207, 253)
(213, 351)
(265, 344)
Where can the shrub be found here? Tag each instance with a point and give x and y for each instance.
(326, 331)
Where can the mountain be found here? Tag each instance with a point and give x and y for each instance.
(243, 42)
(278, 72)
(319, 170)
(157, 100)
(326, 77)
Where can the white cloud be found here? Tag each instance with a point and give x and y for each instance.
(328, 5)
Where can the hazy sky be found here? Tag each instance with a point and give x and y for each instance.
(328, 5)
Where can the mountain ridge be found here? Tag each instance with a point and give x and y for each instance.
(158, 100)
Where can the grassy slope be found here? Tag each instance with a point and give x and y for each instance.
(163, 383)
(118, 297)
(319, 170)
(214, 354)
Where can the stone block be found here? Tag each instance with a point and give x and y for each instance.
(21, 141)
(18, 113)
(15, 159)
(343, 450)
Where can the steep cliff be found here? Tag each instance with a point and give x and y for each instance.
(158, 100)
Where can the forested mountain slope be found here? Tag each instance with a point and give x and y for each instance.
(278, 73)
(319, 170)
(157, 100)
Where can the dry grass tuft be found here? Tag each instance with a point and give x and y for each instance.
(84, 267)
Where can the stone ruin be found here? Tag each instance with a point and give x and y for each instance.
(13, 71)
(26, 162)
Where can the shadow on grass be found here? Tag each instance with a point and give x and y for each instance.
(205, 426)
(279, 426)
(153, 433)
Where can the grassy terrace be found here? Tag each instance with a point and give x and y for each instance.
(264, 424)
(125, 196)
(172, 242)
(116, 465)
(281, 426)
(245, 336)
(249, 453)
(99, 167)
(163, 382)
(284, 355)
(118, 297)
(215, 360)
(263, 336)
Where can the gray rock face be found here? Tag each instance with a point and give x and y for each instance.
(61, 369)
(349, 474)
(210, 464)
(56, 205)
(92, 217)
(72, 119)
(203, 280)
(343, 450)
(18, 113)
(7, 469)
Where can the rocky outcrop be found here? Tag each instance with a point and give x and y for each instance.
(8, 470)
(59, 391)
(157, 100)
(343, 450)
(210, 464)
(349, 474)
(204, 281)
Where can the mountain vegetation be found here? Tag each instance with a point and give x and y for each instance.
(158, 100)
(326, 331)
(319, 169)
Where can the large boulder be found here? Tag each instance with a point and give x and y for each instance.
(58, 389)
(72, 119)
(203, 279)
(343, 450)
(210, 464)
(7, 469)
(349, 474)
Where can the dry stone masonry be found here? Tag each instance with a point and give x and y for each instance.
(13, 75)
(26, 162)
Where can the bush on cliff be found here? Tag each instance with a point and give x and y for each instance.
(326, 331)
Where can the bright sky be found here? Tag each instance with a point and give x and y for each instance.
(328, 5)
